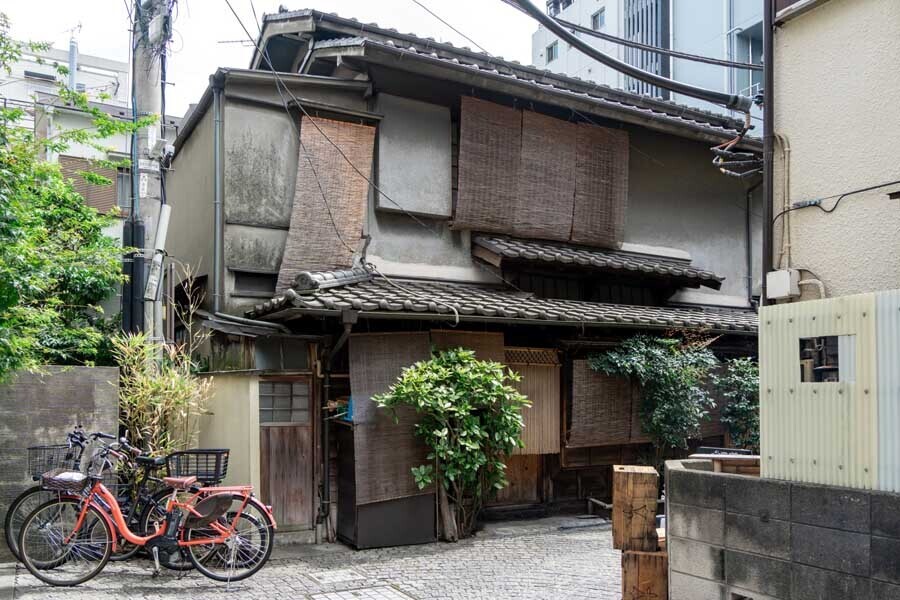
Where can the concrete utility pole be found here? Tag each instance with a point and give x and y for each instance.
(150, 34)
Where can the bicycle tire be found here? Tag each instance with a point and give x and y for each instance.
(269, 534)
(104, 545)
(16, 515)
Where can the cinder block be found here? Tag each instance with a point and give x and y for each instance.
(824, 506)
(830, 549)
(886, 559)
(885, 514)
(885, 591)
(764, 498)
(696, 558)
(686, 587)
(759, 574)
(752, 534)
(809, 583)
(701, 524)
(696, 488)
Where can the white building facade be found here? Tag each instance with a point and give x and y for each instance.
(721, 29)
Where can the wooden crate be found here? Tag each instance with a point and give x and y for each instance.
(635, 491)
(645, 575)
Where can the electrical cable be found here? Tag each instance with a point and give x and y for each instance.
(730, 101)
(818, 202)
(436, 16)
(656, 49)
(280, 82)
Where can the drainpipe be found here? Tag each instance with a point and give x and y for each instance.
(218, 233)
(748, 224)
(768, 140)
(348, 318)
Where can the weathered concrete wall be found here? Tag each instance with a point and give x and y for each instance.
(733, 536)
(233, 422)
(190, 187)
(833, 138)
(40, 409)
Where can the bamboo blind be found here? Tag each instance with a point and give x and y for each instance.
(547, 178)
(490, 139)
(320, 228)
(101, 197)
(539, 369)
(604, 409)
(486, 345)
(601, 186)
(385, 450)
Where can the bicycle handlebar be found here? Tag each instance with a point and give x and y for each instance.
(124, 445)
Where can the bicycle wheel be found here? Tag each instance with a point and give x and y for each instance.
(57, 553)
(243, 553)
(20, 508)
(155, 511)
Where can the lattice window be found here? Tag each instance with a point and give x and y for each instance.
(531, 356)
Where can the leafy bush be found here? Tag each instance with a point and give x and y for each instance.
(470, 418)
(739, 384)
(671, 374)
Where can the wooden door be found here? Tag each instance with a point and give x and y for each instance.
(286, 450)
(523, 471)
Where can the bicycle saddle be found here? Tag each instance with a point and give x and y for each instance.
(180, 483)
(151, 461)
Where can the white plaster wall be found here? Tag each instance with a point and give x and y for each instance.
(837, 101)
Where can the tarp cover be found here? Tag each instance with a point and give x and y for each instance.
(322, 229)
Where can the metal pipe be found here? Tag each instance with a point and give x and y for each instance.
(748, 224)
(217, 197)
(731, 101)
(768, 140)
(254, 323)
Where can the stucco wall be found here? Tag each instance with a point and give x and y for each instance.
(837, 94)
(233, 422)
(190, 187)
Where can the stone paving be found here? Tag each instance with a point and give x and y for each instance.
(546, 559)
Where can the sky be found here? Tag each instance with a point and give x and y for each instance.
(201, 25)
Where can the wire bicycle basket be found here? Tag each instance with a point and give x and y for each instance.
(46, 458)
(208, 465)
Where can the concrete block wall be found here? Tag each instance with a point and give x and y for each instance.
(734, 537)
(40, 409)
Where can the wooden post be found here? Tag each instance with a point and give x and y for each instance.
(645, 575)
(635, 490)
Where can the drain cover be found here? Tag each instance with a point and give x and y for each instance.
(381, 592)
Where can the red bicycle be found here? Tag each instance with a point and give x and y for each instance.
(225, 532)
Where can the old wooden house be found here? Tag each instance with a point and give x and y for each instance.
(383, 194)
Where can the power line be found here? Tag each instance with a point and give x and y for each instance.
(436, 16)
(657, 49)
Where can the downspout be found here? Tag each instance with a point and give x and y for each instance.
(217, 88)
(768, 140)
(748, 224)
(348, 318)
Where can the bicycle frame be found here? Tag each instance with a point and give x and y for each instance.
(115, 518)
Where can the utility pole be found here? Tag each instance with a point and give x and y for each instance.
(151, 31)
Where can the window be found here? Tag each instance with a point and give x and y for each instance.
(283, 402)
(552, 52)
(828, 359)
(123, 189)
(598, 19)
(254, 284)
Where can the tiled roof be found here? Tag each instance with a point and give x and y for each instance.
(358, 34)
(378, 296)
(607, 260)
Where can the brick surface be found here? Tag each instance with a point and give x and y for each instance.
(752, 534)
(527, 559)
(886, 559)
(766, 499)
(694, 523)
(809, 583)
(830, 549)
(696, 488)
(752, 572)
(837, 508)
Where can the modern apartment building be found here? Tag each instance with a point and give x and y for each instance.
(722, 29)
